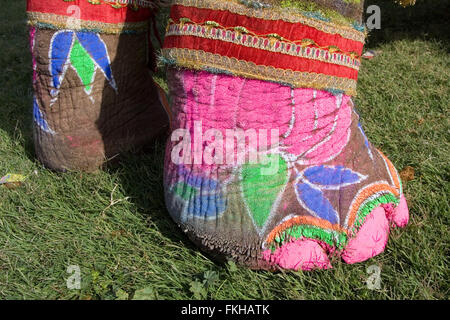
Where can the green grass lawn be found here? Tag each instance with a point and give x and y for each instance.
(114, 225)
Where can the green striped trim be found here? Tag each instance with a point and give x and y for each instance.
(368, 206)
(332, 238)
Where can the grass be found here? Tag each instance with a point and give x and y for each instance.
(114, 225)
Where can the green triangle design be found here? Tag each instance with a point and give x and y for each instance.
(83, 64)
(261, 191)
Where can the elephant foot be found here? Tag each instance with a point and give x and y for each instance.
(302, 254)
(268, 164)
(339, 200)
(370, 241)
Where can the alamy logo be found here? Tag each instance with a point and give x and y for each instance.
(74, 280)
(228, 147)
(374, 281)
(73, 22)
(374, 20)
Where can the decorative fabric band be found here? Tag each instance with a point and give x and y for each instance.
(201, 60)
(295, 54)
(303, 49)
(122, 3)
(276, 13)
(82, 15)
(53, 21)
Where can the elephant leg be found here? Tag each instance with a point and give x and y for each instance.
(94, 95)
(268, 164)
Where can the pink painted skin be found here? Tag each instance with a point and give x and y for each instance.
(302, 254)
(32, 42)
(371, 240)
(400, 215)
(224, 102)
(322, 126)
(314, 125)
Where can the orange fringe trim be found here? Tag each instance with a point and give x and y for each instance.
(366, 193)
(303, 220)
(392, 170)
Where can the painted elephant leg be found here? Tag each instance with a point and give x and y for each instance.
(269, 165)
(94, 96)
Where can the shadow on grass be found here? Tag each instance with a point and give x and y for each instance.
(426, 20)
(16, 78)
(140, 170)
(141, 178)
(141, 175)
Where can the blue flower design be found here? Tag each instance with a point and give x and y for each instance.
(314, 180)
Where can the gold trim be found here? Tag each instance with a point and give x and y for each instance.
(119, 4)
(131, 3)
(64, 22)
(201, 60)
(266, 45)
(275, 14)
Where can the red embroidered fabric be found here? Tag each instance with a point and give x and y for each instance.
(196, 35)
(102, 12)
